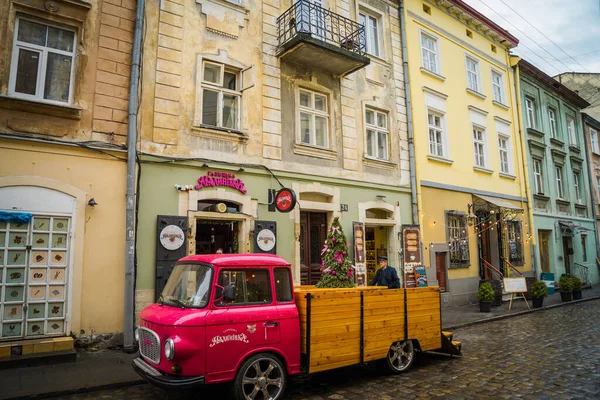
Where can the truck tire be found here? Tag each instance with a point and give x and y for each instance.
(261, 377)
(400, 356)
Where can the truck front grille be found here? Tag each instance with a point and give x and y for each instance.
(149, 345)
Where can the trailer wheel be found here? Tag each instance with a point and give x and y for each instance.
(400, 356)
(261, 377)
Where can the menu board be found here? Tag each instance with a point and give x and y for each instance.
(411, 241)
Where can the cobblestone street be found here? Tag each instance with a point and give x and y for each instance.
(546, 355)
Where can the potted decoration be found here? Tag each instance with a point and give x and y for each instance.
(538, 292)
(577, 286)
(485, 294)
(566, 288)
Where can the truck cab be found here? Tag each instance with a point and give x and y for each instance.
(220, 318)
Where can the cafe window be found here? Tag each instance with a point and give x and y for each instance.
(458, 239)
(515, 242)
(251, 286)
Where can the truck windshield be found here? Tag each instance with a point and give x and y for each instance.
(188, 286)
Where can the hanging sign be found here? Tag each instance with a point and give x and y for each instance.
(285, 200)
(172, 237)
(265, 240)
(411, 242)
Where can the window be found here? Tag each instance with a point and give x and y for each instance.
(473, 74)
(429, 53)
(371, 25)
(598, 186)
(220, 96)
(436, 134)
(577, 187)
(250, 286)
(43, 60)
(458, 239)
(504, 153)
(584, 247)
(594, 140)
(560, 188)
(530, 107)
(377, 134)
(572, 132)
(479, 146)
(552, 120)
(538, 178)
(515, 243)
(314, 118)
(498, 86)
(283, 285)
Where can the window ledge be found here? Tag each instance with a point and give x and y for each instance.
(213, 132)
(39, 107)
(379, 60)
(557, 142)
(377, 163)
(541, 196)
(507, 176)
(533, 131)
(563, 201)
(501, 105)
(574, 148)
(440, 159)
(307, 150)
(484, 170)
(457, 266)
(579, 204)
(228, 4)
(476, 94)
(433, 74)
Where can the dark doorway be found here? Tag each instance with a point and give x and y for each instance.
(313, 232)
(212, 235)
(545, 250)
(485, 251)
(567, 252)
(440, 270)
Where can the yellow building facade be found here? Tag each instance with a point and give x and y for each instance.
(468, 151)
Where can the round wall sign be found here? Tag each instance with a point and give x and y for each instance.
(285, 200)
(265, 240)
(172, 237)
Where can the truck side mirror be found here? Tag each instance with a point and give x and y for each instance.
(229, 293)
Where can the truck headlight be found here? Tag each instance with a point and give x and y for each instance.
(137, 334)
(169, 349)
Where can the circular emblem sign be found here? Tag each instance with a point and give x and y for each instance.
(265, 240)
(172, 237)
(285, 200)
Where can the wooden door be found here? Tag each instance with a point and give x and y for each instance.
(544, 251)
(440, 270)
(485, 251)
(313, 232)
(567, 248)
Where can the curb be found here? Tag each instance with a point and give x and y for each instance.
(88, 389)
(516, 314)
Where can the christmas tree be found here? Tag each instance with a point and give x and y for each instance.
(336, 267)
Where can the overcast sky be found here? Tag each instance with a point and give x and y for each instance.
(572, 25)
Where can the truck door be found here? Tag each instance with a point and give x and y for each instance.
(236, 325)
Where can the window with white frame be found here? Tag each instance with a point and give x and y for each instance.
(372, 31)
(577, 187)
(560, 186)
(43, 61)
(479, 146)
(220, 96)
(429, 53)
(377, 133)
(530, 108)
(498, 86)
(594, 140)
(598, 186)
(314, 118)
(436, 134)
(538, 177)
(473, 74)
(504, 153)
(572, 131)
(552, 121)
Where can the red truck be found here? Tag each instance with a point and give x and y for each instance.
(238, 317)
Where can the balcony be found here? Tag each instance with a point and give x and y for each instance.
(314, 36)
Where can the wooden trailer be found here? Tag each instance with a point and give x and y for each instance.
(342, 327)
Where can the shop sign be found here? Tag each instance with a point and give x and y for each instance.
(411, 241)
(172, 237)
(285, 200)
(265, 240)
(216, 179)
(359, 253)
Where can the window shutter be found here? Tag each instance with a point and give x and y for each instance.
(248, 78)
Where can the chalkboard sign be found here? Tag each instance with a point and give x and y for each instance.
(515, 285)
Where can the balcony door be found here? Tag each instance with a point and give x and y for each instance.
(311, 18)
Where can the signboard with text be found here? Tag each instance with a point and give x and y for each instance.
(358, 230)
(411, 244)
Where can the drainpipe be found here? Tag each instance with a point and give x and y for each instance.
(411, 142)
(128, 325)
(591, 182)
(517, 77)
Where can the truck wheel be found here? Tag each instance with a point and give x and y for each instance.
(261, 377)
(400, 356)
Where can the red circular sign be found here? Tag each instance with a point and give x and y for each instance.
(285, 200)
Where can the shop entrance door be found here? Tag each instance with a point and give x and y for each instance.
(567, 252)
(313, 232)
(33, 277)
(440, 270)
(544, 250)
(212, 235)
(485, 251)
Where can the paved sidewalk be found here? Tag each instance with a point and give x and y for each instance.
(112, 369)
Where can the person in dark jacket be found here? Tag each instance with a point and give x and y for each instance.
(386, 275)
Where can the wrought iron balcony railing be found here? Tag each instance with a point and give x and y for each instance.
(311, 20)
